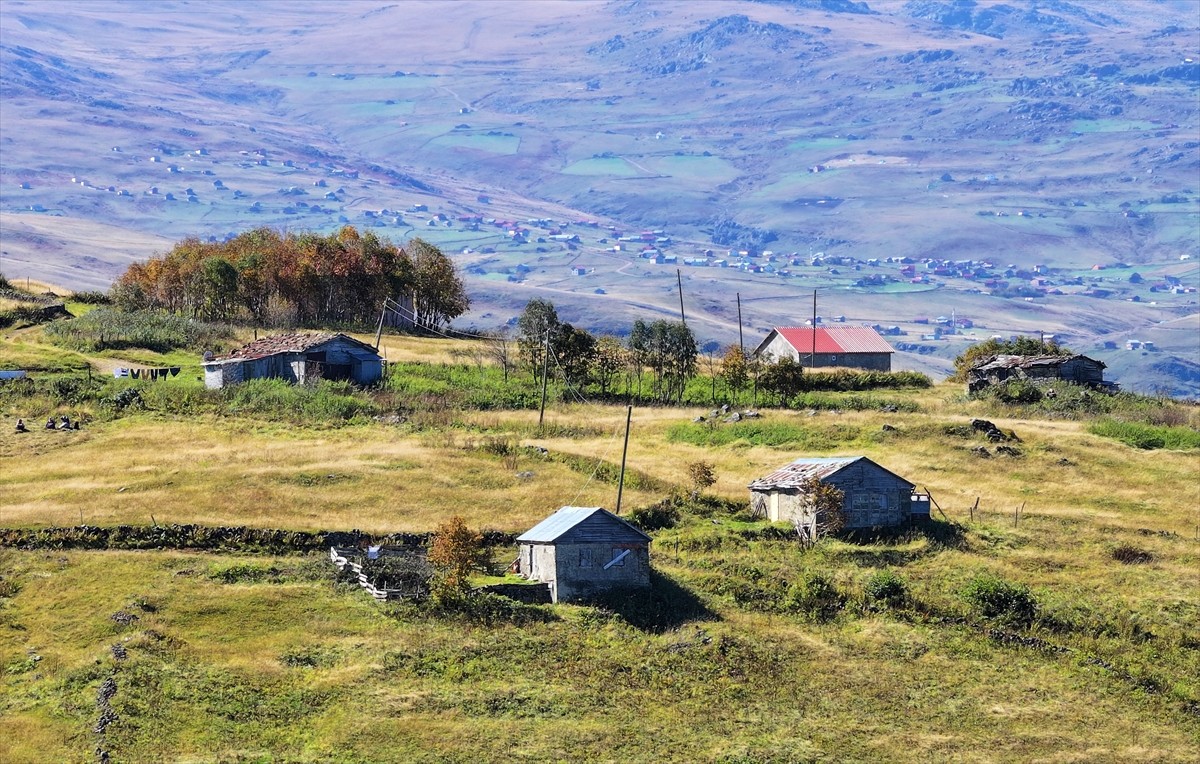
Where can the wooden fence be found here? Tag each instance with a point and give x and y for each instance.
(342, 561)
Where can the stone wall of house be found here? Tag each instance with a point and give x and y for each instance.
(581, 570)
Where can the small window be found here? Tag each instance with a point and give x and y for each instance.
(585, 558)
(618, 557)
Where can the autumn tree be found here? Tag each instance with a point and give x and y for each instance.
(701, 475)
(440, 296)
(455, 551)
(735, 370)
(608, 361)
(273, 278)
(824, 505)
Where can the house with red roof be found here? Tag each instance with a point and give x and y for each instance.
(854, 347)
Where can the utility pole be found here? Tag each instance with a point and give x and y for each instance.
(379, 329)
(812, 359)
(679, 281)
(741, 342)
(545, 369)
(624, 452)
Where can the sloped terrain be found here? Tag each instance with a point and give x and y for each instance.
(1011, 135)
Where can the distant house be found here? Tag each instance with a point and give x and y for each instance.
(297, 358)
(856, 347)
(1076, 369)
(874, 496)
(579, 551)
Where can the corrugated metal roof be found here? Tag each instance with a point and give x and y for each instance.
(793, 474)
(567, 519)
(837, 339)
(296, 342)
(1029, 362)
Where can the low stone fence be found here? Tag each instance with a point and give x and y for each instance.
(227, 538)
(530, 594)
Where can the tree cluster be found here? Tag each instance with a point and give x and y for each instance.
(278, 279)
(667, 349)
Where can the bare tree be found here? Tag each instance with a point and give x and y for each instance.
(824, 510)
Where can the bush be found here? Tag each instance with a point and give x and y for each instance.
(815, 597)
(92, 298)
(1131, 555)
(886, 587)
(112, 329)
(661, 514)
(994, 598)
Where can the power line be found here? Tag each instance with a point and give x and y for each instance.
(596, 469)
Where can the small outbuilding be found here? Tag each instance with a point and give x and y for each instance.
(998, 369)
(580, 551)
(297, 358)
(855, 347)
(874, 496)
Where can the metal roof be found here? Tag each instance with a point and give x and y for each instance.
(836, 339)
(1029, 362)
(793, 474)
(567, 519)
(296, 342)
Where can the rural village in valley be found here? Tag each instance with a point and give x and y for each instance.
(599, 380)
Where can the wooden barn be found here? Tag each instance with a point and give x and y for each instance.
(855, 347)
(297, 358)
(874, 496)
(1076, 369)
(579, 551)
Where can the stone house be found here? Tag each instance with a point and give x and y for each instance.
(874, 496)
(297, 358)
(1076, 369)
(856, 347)
(579, 551)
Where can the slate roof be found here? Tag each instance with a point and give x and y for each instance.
(837, 339)
(582, 525)
(296, 342)
(793, 474)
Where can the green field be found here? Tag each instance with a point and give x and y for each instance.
(748, 647)
(611, 167)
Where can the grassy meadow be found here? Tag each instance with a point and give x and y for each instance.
(748, 648)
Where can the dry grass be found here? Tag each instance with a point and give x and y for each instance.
(220, 471)
(301, 670)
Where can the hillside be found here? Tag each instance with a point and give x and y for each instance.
(749, 646)
(906, 159)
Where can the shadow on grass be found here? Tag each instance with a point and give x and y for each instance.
(665, 605)
(936, 532)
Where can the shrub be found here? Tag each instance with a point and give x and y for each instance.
(886, 587)
(92, 298)
(653, 517)
(1131, 555)
(815, 597)
(112, 329)
(994, 598)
